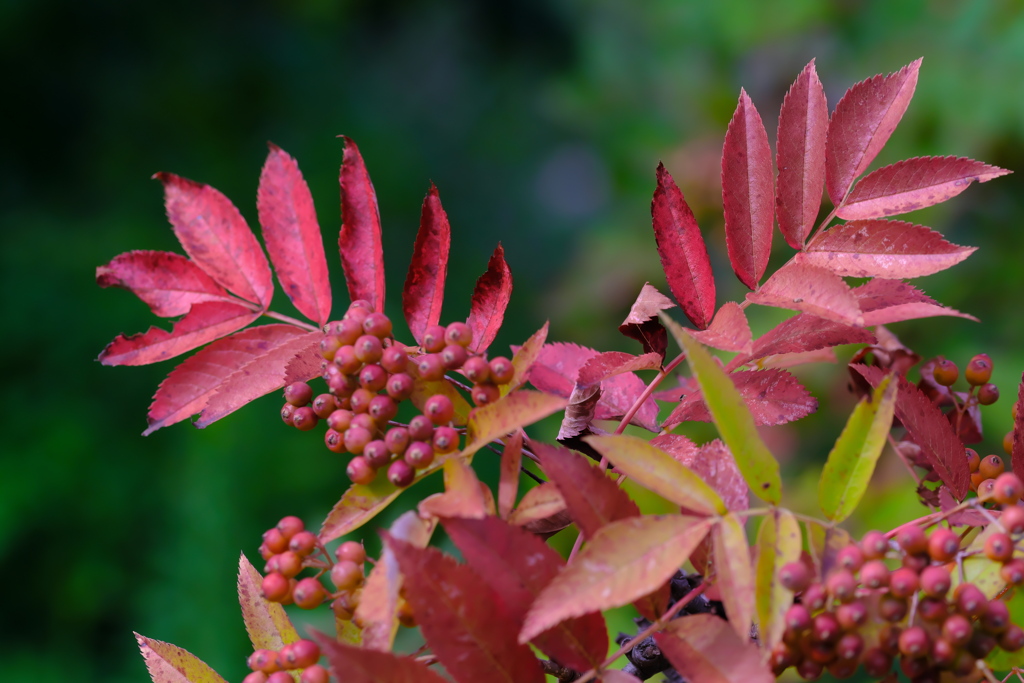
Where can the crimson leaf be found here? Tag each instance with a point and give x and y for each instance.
(490, 299)
(424, 285)
(359, 241)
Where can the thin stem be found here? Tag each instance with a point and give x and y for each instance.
(656, 626)
(903, 458)
(647, 392)
(291, 321)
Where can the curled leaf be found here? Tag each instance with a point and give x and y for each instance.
(642, 322)
(524, 357)
(508, 483)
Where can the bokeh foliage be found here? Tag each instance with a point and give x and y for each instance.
(540, 121)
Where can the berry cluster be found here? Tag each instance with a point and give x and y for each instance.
(288, 549)
(928, 629)
(272, 666)
(369, 374)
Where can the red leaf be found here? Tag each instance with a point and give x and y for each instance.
(305, 364)
(215, 236)
(684, 256)
(774, 397)
(803, 123)
(490, 299)
(643, 323)
(189, 386)
(359, 242)
(703, 647)
(168, 283)
(748, 193)
(518, 566)
(592, 498)
(887, 301)
(611, 363)
(557, 367)
(260, 376)
(861, 125)
(361, 665)
(424, 285)
(292, 235)
(464, 621)
(1017, 455)
(928, 426)
(800, 334)
(205, 322)
(729, 331)
(713, 463)
(508, 483)
(882, 249)
(913, 184)
(810, 289)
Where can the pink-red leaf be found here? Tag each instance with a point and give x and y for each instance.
(206, 321)
(774, 397)
(801, 334)
(803, 123)
(359, 242)
(266, 623)
(729, 331)
(518, 566)
(1017, 452)
(611, 363)
(643, 323)
(543, 504)
(490, 299)
(748, 193)
(292, 235)
(187, 389)
(885, 301)
(466, 623)
(929, 428)
(684, 256)
(260, 376)
(734, 574)
(424, 285)
(361, 665)
(557, 368)
(171, 664)
(524, 357)
(215, 236)
(704, 649)
(592, 498)
(877, 248)
(305, 364)
(861, 125)
(809, 289)
(508, 483)
(168, 283)
(713, 462)
(913, 184)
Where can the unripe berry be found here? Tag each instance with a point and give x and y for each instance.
(996, 618)
(999, 547)
(943, 545)
(352, 551)
(401, 474)
(346, 575)
(288, 563)
(439, 409)
(302, 653)
(874, 545)
(903, 582)
(945, 372)
(912, 539)
(502, 370)
(979, 370)
(852, 615)
(988, 394)
(932, 610)
(335, 441)
(798, 618)
(991, 466)
(957, 629)
(275, 541)
(935, 581)
(433, 339)
(377, 325)
(421, 428)
(850, 646)
(399, 386)
(446, 440)
(453, 356)
(373, 377)
(1013, 572)
(298, 394)
(809, 669)
(877, 662)
(969, 600)
(315, 674)
(430, 367)
(397, 440)
(346, 360)
(309, 593)
(825, 628)
(795, 576)
(814, 597)
(892, 608)
(286, 414)
(256, 677)
(368, 348)
(264, 660)
(484, 394)
(841, 585)
(394, 359)
(356, 439)
(275, 587)
(1008, 488)
(377, 454)
(914, 642)
(850, 558)
(874, 574)
(1012, 519)
(476, 369)
(360, 471)
(382, 409)
(304, 543)
(304, 419)
(1012, 638)
(973, 459)
(364, 421)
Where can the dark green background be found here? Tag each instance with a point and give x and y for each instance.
(540, 122)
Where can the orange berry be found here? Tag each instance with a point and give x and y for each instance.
(945, 372)
(979, 370)
(973, 459)
(991, 466)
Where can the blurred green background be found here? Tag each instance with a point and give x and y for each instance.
(540, 122)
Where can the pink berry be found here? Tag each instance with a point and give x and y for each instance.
(378, 325)
(394, 359)
(373, 377)
(433, 339)
(419, 454)
(401, 474)
(453, 356)
(399, 386)
(502, 370)
(368, 348)
(430, 367)
(439, 409)
(476, 369)
(298, 393)
(360, 471)
(458, 333)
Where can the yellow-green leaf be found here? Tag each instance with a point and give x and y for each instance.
(268, 626)
(507, 414)
(524, 359)
(732, 417)
(734, 573)
(825, 541)
(657, 471)
(851, 463)
(778, 543)
(423, 389)
(171, 664)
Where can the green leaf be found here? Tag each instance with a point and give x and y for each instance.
(732, 417)
(851, 463)
(778, 543)
(657, 471)
(999, 659)
(268, 626)
(734, 573)
(171, 664)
